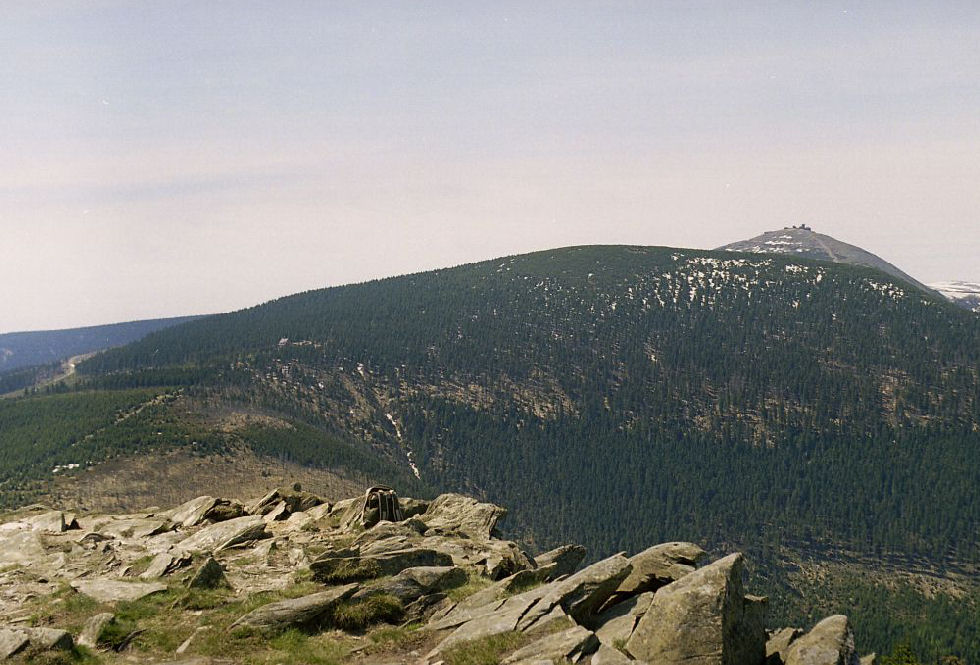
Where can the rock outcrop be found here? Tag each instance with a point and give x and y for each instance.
(291, 561)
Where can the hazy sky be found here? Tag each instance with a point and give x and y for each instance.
(180, 157)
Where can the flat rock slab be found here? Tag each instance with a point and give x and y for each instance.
(50, 638)
(192, 513)
(223, 535)
(582, 594)
(12, 641)
(345, 569)
(21, 548)
(295, 612)
(112, 591)
(569, 645)
(494, 623)
(607, 655)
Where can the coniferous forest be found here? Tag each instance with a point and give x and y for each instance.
(617, 396)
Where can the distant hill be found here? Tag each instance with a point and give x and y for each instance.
(803, 242)
(964, 294)
(616, 396)
(25, 349)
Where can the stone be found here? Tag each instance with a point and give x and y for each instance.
(451, 514)
(607, 655)
(830, 642)
(12, 641)
(701, 620)
(489, 601)
(412, 583)
(164, 564)
(436, 578)
(616, 624)
(209, 576)
(225, 510)
(412, 507)
(223, 535)
(107, 590)
(333, 569)
(656, 567)
(21, 548)
(303, 612)
(870, 659)
(778, 643)
(47, 639)
(278, 513)
(568, 645)
(93, 627)
(134, 528)
(51, 522)
(486, 625)
(424, 607)
(192, 513)
(582, 594)
(558, 562)
(296, 501)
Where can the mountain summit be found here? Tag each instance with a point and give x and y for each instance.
(805, 242)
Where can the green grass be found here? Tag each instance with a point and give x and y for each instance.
(356, 615)
(475, 583)
(486, 650)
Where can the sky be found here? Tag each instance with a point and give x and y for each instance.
(187, 157)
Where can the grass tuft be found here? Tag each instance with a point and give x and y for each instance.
(485, 650)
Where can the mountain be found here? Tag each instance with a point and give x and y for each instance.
(803, 242)
(811, 413)
(24, 349)
(964, 294)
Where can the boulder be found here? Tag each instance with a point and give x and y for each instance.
(296, 501)
(701, 620)
(436, 578)
(560, 561)
(607, 655)
(107, 590)
(304, 612)
(51, 522)
(830, 642)
(223, 535)
(47, 639)
(616, 624)
(582, 594)
(452, 514)
(412, 583)
(209, 576)
(93, 627)
(21, 548)
(412, 507)
(332, 569)
(656, 567)
(12, 641)
(164, 564)
(192, 513)
(778, 643)
(569, 645)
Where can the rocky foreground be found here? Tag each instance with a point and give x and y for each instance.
(291, 578)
